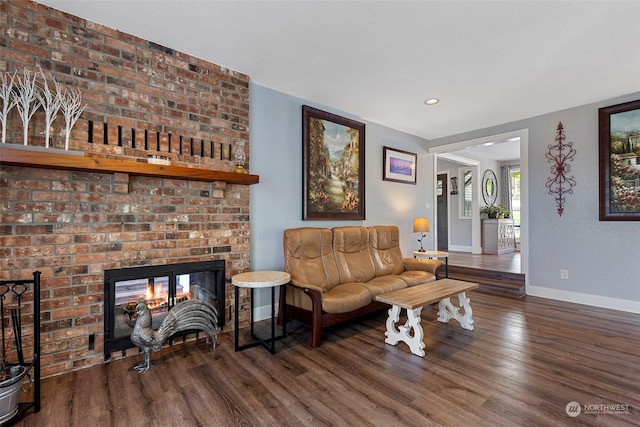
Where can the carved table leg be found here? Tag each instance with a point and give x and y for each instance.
(392, 334)
(448, 311)
(411, 332)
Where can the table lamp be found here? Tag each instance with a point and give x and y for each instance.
(421, 225)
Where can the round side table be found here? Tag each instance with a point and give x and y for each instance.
(254, 280)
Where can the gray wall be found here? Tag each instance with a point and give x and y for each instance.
(601, 256)
(276, 202)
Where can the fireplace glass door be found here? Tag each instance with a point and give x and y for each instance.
(162, 287)
(155, 290)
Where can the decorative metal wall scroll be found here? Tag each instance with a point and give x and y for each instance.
(559, 155)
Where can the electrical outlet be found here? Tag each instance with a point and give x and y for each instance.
(564, 274)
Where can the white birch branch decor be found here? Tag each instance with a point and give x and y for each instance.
(28, 103)
(8, 102)
(71, 110)
(50, 103)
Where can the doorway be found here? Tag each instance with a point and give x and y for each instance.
(461, 148)
(442, 194)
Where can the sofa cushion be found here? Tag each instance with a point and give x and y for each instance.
(351, 248)
(308, 257)
(384, 244)
(417, 277)
(383, 284)
(346, 298)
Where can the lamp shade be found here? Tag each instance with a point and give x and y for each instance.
(420, 225)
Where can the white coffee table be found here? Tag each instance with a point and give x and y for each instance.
(260, 279)
(414, 298)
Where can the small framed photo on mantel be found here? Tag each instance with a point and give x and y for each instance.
(399, 166)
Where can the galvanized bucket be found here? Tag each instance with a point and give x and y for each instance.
(10, 393)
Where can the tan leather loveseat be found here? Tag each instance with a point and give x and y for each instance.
(336, 273)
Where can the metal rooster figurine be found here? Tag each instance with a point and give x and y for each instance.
(190, 315)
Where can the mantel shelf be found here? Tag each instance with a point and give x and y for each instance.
(52, 160)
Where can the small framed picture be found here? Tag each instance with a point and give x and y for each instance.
(399, 166)
(454, 185)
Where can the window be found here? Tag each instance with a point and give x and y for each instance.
(514, 173)
(466, 202)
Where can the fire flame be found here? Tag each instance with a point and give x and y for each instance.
(151, 292)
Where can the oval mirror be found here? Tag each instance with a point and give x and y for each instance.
(489, 187)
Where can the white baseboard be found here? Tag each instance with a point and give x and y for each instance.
(458, 248)
(587, 299)
(263, 312)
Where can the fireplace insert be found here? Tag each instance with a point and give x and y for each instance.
(163, 286)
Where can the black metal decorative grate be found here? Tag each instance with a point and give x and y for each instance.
(20, 301)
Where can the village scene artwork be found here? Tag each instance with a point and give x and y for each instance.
(334, 168)
(625, 167)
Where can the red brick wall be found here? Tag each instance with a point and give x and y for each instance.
(73, 225)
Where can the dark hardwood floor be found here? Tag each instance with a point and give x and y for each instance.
(527, 359)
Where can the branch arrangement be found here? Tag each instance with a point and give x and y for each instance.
(51, 103)
(8, 102)
(28, 96)
(27, 101)
(72, 109)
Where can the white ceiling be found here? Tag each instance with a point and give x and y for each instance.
(489, 62)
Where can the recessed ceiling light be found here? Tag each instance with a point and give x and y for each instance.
(432, 101)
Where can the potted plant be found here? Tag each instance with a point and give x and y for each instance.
(496, 211)
(491, 211)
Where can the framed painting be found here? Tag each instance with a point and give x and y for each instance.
(619, 155)
(332, 166)
(399, 166)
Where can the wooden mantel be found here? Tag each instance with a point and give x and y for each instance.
(40, 159)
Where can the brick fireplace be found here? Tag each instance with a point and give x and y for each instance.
(143, 99)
